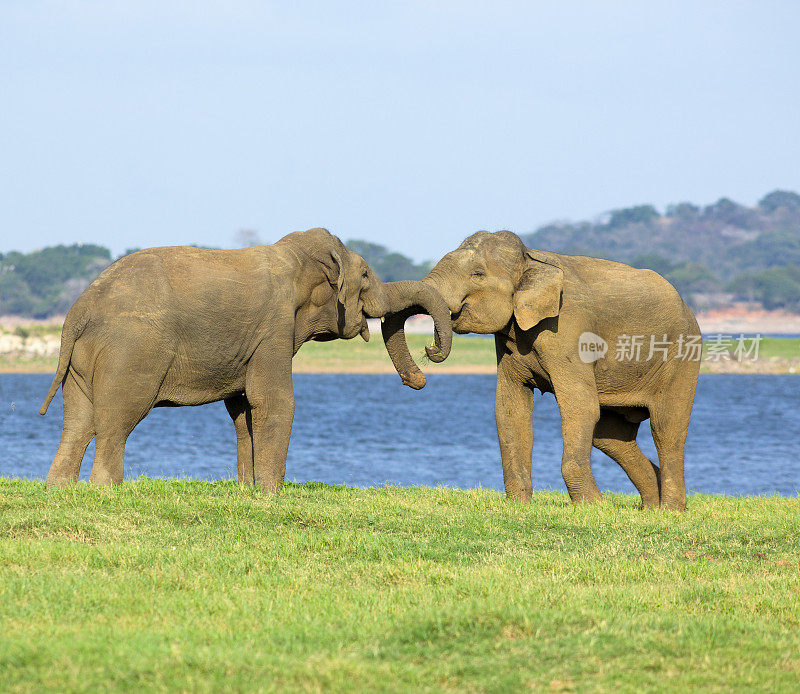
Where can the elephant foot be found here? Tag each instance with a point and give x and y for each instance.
(592, 496)
(269, 488)
(673, 496)
(581, 486)
(583, 501)
(104, 480)
(650, 502)
(520, 495)
(673, 504)
(60, 482)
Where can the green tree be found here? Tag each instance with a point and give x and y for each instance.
(690, 278)
(388, 265)
(779, 198)
(653, 261)
(776, 287)
(47, 281)
(769, 249)
(729, 212)
(15, 296)
(640, 214)
(683, 210)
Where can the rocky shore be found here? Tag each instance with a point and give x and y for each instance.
(25, 346)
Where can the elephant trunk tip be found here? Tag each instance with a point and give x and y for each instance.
(434, 353)
(415, 380)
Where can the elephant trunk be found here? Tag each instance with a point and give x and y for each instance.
(401, 300)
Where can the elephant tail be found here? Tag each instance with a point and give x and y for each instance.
(69, 334)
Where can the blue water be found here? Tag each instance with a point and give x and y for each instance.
(367, 430)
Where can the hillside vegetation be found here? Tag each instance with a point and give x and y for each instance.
(45, 282)
(713, 255)
(750, 253)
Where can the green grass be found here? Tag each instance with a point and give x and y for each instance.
(11, 363)
(782, 348)
(172, 585)
(347, 355)
(776, 355)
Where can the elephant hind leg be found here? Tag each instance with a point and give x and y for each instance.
(669, 425)
(77, 432)
(616, 437)
(239, 409)
(114, 426)
(125, 390)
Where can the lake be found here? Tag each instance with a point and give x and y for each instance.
(366, 430)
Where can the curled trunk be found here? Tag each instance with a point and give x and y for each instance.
(408, 298)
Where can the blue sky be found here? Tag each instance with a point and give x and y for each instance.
(413, 124)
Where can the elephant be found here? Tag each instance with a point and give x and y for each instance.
(182, 325)
(553, 317)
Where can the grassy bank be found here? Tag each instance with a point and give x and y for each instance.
(193, 586)
(472, 354)
(469, 355)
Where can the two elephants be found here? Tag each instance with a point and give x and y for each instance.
(185, 326)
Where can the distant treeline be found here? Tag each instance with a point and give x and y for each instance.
(47, 282)
(713, 255)
(389, 265)
(44, 283)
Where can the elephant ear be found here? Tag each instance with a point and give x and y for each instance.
(364, 332)
(341, 289)
(538, 294)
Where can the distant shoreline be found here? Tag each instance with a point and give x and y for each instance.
(783, 368)
(33, 349)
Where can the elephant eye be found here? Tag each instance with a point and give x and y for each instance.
(479, 274)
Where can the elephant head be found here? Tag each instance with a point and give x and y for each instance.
(486, 282)
(348, 292)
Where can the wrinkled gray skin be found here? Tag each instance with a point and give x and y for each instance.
(186, 326)
(538, 304)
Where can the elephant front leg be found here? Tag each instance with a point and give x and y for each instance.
(239, 410)
(580, 411)
(513, 411)
(271, 397)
